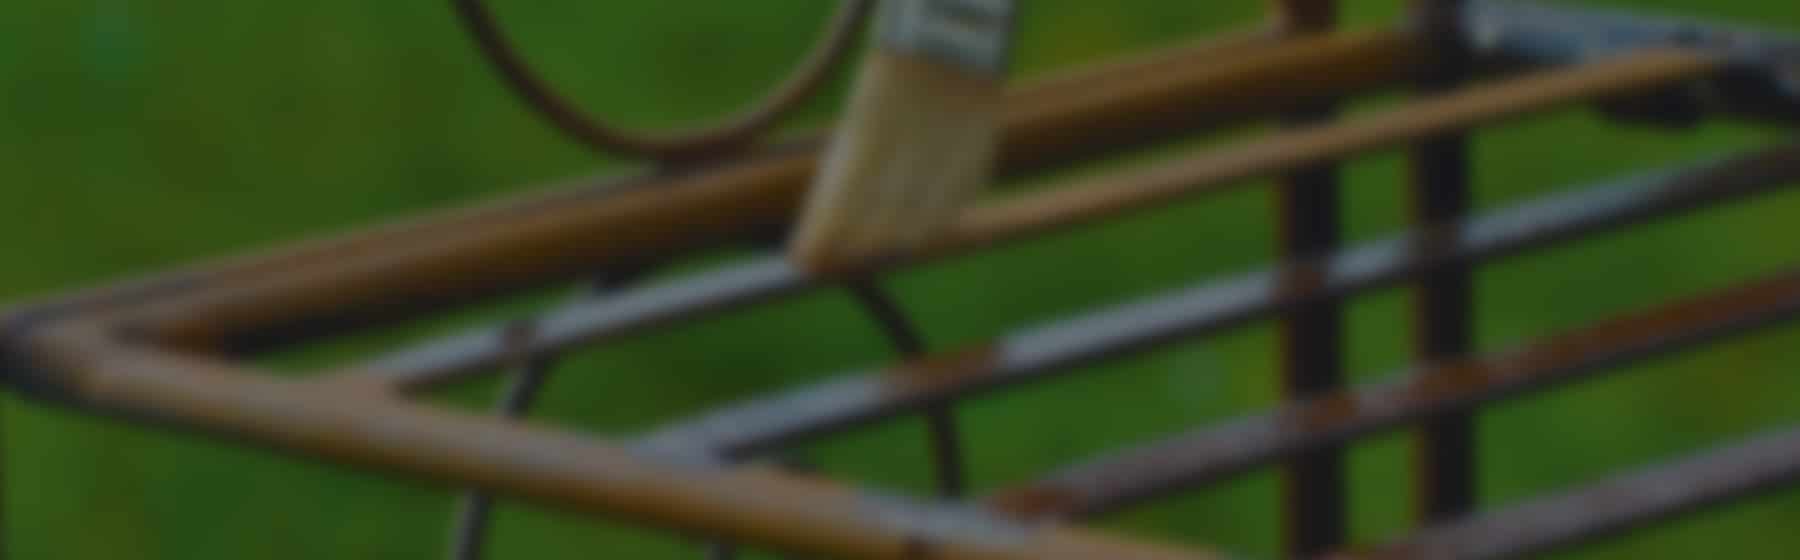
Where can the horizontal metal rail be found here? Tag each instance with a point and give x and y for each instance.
(1211, 454)
(129, 350)
(548, 466)
(1763, 80)
(1185, 90)
(401, 271)
(1181, 98)
(1068, 204)
(1044, 350)
(1744, 469)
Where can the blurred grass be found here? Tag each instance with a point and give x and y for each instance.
(135, 135)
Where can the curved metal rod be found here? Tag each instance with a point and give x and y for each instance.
(946, 447)
(474, 517)
(729, 134)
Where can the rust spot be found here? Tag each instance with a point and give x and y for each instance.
(516, 339)
(940, 371)
(1035, 501)
(917, 548)
(1326, 412)
(1434, 243)
(1300, 279)
(1446, 381)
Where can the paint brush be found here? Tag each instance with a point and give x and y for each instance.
(918, 137)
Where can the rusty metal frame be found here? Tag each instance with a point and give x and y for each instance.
(167, 349)
(1443, 323)
(1308, 210)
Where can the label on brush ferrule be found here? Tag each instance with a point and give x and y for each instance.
(972, 34)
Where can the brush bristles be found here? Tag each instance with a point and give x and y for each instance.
(916, 143)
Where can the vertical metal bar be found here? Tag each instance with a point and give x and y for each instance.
(946, 449)
(946, 446)
(1311, 336)
(1444, 454)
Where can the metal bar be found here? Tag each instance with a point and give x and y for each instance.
(469, 537)
(899, 330)
(1108, 196)
(1564, 34)
(288, 296)
(1176, 57)
(1763, 80)
(1049, 97)
(1077, 202)
(940, 419)
(946, 449)
(1314, 508)
(1444, 452)
(469, 534)
(1162, 87)
(453, 358)
(1739, 471)
(1184, 461)
(1144, 101)
(543, 465)
(1039, 352)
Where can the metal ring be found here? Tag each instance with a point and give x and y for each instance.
(729, 134)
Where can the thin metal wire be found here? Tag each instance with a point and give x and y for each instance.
(729, 134)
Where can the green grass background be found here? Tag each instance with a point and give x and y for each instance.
(136, 135)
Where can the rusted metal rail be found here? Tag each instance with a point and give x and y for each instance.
(1737, 471)
(1211, 454)
(1043, 350)
(1443, 306)
(167, 350)
(1308, 217)
(561, 235)
(1091, 199)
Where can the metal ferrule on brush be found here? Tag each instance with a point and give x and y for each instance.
(970, 34)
